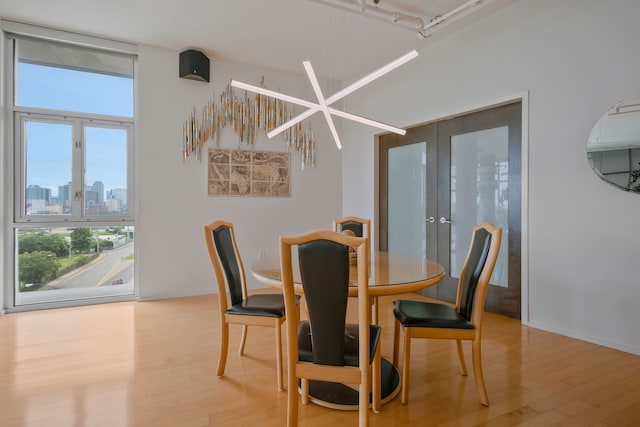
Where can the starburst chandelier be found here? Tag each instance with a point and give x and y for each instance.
(324, 104)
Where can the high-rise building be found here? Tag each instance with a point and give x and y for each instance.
(113, 205)
(98, 187)
(63, 195)
(90, 196)
(35, 192)
(37, 207)
(120, 194)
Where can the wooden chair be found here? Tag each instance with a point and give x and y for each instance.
(326, 348)
(236, 306)
(360, 227)
(420, 319)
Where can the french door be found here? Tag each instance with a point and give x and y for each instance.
(441, 179)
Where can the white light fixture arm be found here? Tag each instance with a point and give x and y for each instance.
(324, 103)
(366, 121)
(277, 95)
(321, 101)
(372, 76)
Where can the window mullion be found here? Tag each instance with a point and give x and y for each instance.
(78, 171)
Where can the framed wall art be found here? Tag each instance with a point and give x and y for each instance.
(234, 172)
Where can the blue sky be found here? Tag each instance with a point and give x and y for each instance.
(50, 144)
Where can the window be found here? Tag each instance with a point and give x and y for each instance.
(73, 129)
(74, 169)
(74, 125)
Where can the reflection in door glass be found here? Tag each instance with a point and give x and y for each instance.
(479, 186)
(407, 205)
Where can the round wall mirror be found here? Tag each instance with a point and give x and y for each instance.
(614, 146)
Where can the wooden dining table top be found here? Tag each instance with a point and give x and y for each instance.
(390, 274)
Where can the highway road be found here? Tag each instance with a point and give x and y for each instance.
(109, 268)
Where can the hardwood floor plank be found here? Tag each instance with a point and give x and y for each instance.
(154, 364)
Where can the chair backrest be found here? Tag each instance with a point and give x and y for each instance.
(323, 257)
(355, 224)
(477, 269)
(356, 227)
(324, 270)
(226, 261)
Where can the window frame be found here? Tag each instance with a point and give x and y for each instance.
(11, 156)
(78, 123)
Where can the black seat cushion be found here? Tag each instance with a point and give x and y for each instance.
(429, 315)
(351, 336)
(268, 305)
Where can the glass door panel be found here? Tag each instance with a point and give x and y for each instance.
(479, 188)
(407, 199)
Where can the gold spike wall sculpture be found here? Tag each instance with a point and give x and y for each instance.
(245, 115)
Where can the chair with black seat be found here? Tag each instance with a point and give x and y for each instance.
(236, 306)
(421, 319)
(325, 348)
(360, 227)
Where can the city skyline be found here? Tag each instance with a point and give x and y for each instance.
(39, 200)
(87, 188)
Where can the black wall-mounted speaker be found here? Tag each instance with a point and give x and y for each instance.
(194, 65)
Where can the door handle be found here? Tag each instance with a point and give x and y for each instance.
(444, 220)
(430, 219)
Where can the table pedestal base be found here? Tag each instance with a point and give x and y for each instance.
(343, 397)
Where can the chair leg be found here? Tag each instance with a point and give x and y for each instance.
(376, 388)
(224, 347)
(292, 398)
(279, 355)
(243, 339)
(396, 342)
(477, 372)
(363, 398)
(405, 366)
(463, 365)
(304, 392)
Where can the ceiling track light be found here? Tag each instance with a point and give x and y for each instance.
(410, 22)
(389, 16)
(422, 32)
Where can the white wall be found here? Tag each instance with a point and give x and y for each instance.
(173, 205)
(576, 59)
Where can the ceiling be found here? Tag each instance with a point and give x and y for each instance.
(276, 34)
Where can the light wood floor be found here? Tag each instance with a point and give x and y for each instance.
(154, 363)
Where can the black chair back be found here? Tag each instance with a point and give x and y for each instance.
(324, 270)
(229, 260)
(472, 270)
(356, 227)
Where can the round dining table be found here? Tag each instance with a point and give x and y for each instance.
(389, 274)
